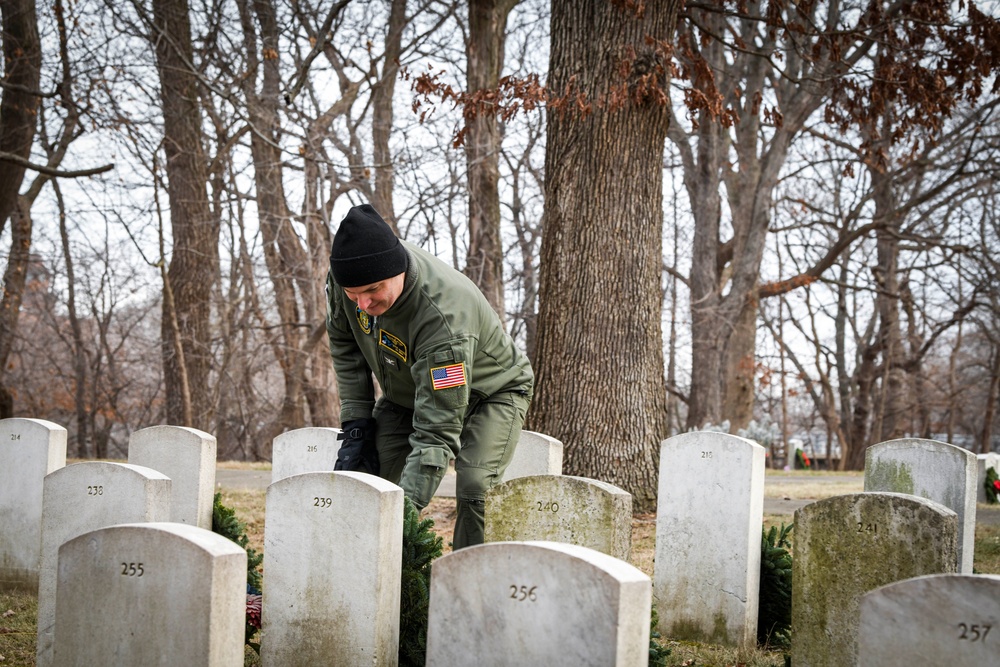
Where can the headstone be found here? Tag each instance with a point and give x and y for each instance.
(984, 461)
(333, 545)
(848, 545)
(561, 508)
(934, 470)
(187, 457)
(535, 454)
(29, 450)
(710, 507)
(943, 619)
(312, 449)
(537, 603)
(150, 594)
(83, 497)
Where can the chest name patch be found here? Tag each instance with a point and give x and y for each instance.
(443, 377)
(392, 343)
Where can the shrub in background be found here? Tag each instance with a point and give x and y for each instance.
(774, 611)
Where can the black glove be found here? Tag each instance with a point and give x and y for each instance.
(358, 452)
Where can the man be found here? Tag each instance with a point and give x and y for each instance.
(454, 385)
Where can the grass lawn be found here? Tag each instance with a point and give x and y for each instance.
(18, 610)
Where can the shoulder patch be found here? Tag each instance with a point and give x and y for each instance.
(444, 377)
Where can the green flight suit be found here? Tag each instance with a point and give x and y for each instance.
(454, 385)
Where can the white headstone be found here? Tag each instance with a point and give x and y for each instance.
(710, 508)
(848, 545)
(934, 470)
(984, 461)
(83, 497)
(535, 454)
(150, 594)
(537, 603)
(333, 545)
(187, 457)
(561, 508)
(29, 450)
(943, 619)
(312, 449)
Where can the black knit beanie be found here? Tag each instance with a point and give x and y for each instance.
(365, 250)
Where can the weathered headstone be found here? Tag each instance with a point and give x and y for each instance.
(848, 545)
(537, 603)
(710, 508)
(150, 594)
(83, 497)
(29, 450)
(934, 470)
(943, 619)
(535, 454)
(187, 457)
(312, 449)
(561, 508)
(332, 553)
(984, 461)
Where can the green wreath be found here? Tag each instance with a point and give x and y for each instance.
(992, 485)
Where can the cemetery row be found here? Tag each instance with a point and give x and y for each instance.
(126, 565)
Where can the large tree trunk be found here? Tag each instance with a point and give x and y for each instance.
(22, 53)
(14, 278)
(484, 55)
(282, 253)
(600, 385)
(194, 261)
(382, 94)
(992, 396)
(892, 406)
(18, 117)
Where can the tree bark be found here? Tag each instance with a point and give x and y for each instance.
(18, 108)
(484, 56)
(22, 53)
(194, 262)
(892, 405)
(600, 384)
(283, 255)
(14, 279)
(382, 95)
(992, 395)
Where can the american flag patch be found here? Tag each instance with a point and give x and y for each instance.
(443, 377)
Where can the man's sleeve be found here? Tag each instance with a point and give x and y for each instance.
(441, 376)
(354, 378)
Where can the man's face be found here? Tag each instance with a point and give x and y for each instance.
(378, 297)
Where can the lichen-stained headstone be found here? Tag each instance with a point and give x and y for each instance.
(535, 454)
(333, 545)
(710, 507)
(934, 470)
(561, 508)
(150, 594)
(187, 456)
(942, 619)
(29, 450)
(513, 604)
(848, 545)
(311, 449)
